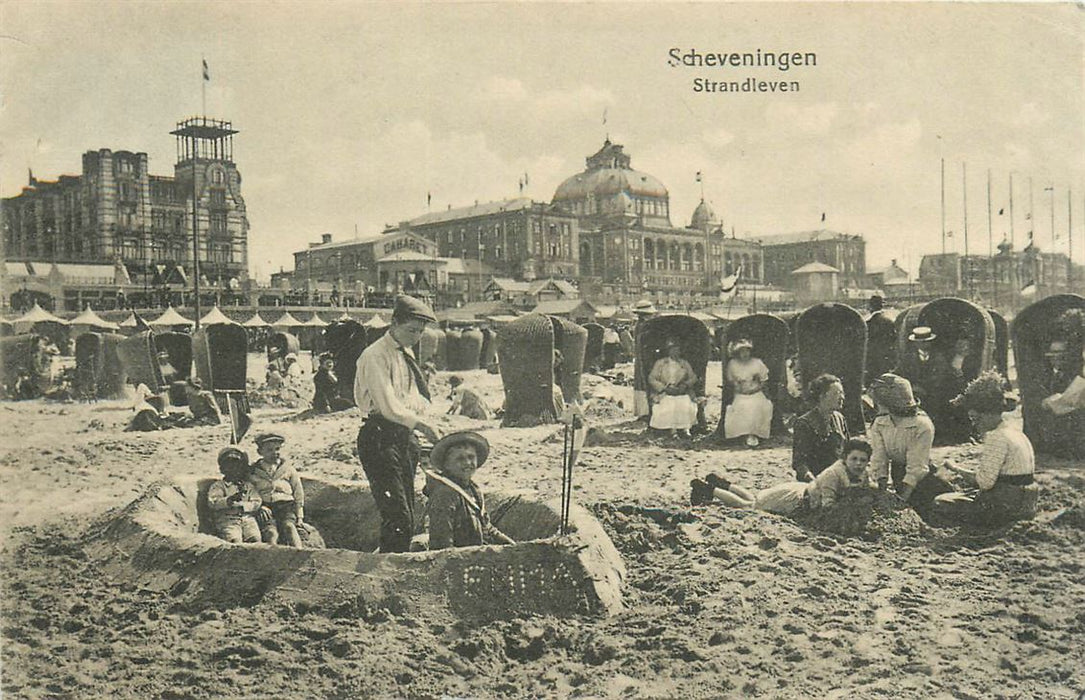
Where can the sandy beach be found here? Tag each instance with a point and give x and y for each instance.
(719, 602)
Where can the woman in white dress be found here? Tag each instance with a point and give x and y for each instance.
(750, 413)
(671, 386)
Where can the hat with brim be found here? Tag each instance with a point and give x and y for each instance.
(408, 308)
(469, 437)
(268, 437)
(232, 455)
(921, 334)
(644, 307)
(741, 344)
(894, 392)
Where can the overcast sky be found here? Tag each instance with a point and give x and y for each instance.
(350, 113)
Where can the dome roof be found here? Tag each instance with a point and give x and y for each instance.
(606, 182)
(703, 216)
(607, 174)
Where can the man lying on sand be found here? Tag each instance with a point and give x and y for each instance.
(850, 471)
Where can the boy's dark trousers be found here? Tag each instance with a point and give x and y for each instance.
(389, 453)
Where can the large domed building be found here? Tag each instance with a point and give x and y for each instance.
(627, 243)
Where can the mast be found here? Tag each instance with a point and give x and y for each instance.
(943, 206)
(991, 245)
(967, 260)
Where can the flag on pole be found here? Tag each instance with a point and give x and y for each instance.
(698, 176)
(525, 180)
(206, 71)
(949, 234)
(604, 115)
(729, 285)
(1028, 216)
(240, 421)
(429, 198)
(1029, 289)
(823, 216)
(1001, 211)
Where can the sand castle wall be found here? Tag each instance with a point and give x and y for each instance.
(161, 539)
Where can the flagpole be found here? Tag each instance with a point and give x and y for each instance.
(1070, 242)
(967, 260)
(203, 86)
(1052, 190)
(991, 245)
(1011, 210)
(1031, 212)
(943, 206)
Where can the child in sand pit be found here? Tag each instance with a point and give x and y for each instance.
(234, 501)
(281, 492)
(784, 499)
(456, 507)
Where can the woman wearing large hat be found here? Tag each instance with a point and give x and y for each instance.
(902, 436)
(750, 413)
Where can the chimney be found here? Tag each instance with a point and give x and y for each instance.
(325, 238)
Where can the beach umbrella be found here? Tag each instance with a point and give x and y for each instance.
(170, 317)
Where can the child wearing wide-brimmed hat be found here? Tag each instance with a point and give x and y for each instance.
(456, 506)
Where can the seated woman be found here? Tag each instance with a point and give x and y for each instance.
(456, 507)
(1002, 486)
(902, 436)
(671, 390)
(750, 413)
(819, 434)
(849, 471)
(1068, 395)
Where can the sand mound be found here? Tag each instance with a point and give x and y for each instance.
(867, 514)
(161, 540)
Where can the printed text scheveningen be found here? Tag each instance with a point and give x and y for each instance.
(724, 60)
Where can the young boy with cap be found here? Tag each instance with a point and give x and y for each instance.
(391, 393)
(457, 508)
(280, 490)
(233, 500)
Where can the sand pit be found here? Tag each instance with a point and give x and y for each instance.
(717, 603)
(162, 541)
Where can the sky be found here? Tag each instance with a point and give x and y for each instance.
(350, 113)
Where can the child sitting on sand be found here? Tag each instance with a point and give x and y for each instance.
(784, 499)
(281, 492)
(234, 501)
(465, 402)
(456, 507)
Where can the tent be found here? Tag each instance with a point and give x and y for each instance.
(89, 320)
(257, 321)
(316, 322)
(34, 316)
(170, 317)
(214, 317)
(344, 317)
(375, 322)
(287, 321)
